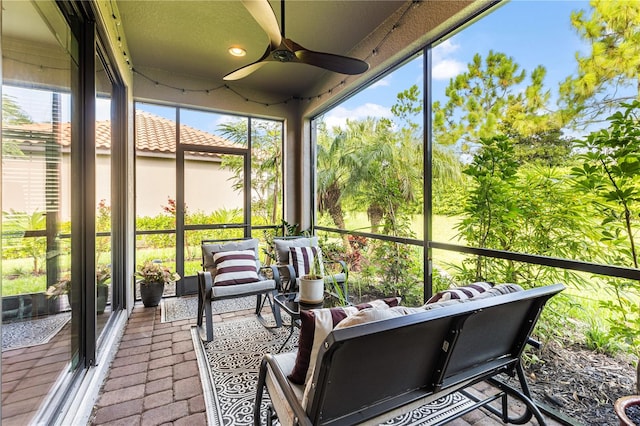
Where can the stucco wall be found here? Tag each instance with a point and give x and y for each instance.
(207, 186)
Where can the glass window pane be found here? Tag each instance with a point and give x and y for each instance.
(213, 188)
(155, 130)
(369, 157)
(266, 172)
(205, 206)
(103, 198)
(512, 109)
(212, 129)
(38, 339)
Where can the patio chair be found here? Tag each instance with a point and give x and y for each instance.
(231, 269)
(290, 275)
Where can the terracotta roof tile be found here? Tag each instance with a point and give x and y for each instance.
(153, 134)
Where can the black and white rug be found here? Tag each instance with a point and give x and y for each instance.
(32, 332)
(233, 360)
(180, 308)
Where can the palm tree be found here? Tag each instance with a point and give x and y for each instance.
(266, 162)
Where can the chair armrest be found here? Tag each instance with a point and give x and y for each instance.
(268, 361)
(275, 274)
(287, 275)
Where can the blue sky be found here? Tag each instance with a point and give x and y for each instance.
(532, 32)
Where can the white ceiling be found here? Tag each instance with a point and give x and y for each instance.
(191, 38)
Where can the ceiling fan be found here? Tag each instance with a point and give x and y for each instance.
(282, 49)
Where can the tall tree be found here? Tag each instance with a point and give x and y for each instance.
(266, 163)
(610, 72)
(489, 98)
(12, 114)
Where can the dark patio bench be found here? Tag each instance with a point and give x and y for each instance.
(372, 372)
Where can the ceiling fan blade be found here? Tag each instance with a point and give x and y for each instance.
(331, 62)
(263, 14)
(243, 72)
(248, 69)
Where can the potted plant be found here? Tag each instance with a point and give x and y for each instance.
(103, 275)
(153, 277)
(312, 284)
(55, 291)
(627, 409)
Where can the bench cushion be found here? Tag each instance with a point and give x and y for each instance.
(494, 291)
(235, 267)
(226, 291)
(465, 292)
(316, 324)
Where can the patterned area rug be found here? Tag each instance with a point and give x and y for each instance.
(234, 358)
(179, 308)
(32, 332)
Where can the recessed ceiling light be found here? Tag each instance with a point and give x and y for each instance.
(237, 51)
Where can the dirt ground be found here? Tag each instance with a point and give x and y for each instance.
(580, 383)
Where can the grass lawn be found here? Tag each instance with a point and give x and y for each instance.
(444, 231)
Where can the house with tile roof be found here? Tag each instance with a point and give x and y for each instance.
(208, 186)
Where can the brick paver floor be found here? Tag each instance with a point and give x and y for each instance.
(154, 378)
(29, 373)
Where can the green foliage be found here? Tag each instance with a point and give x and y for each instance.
(16, 245)
(12, 113)
(399, 269)
(598, 338)
(488, 98)
(449, 183)
(266, 164)
(286, 229)
(526, 209)
(610, 29)
(545, 148)
(611, 174)
(490, 211)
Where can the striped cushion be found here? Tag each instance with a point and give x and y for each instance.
(302, 259)
(316, 324)
(235, 267)
(461, 293)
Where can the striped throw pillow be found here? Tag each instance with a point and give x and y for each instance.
(461, 293)
(235, 267)
(315, 326)
(302, 259)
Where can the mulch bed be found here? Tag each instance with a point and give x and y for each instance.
(581, 383)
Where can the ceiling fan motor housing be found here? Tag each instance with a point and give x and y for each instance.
(283, 55)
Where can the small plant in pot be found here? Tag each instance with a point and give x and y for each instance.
(56, 291)
(153, 276)
(103, 275)
(312, 284)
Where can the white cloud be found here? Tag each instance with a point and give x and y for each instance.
(380, 83)
(444, 49)
(338, 116)
(445, 67)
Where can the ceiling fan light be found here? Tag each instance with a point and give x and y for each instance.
(237, 51)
